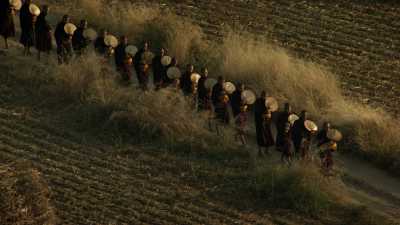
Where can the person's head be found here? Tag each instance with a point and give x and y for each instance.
(221, 80)
(162, 51)
(65, 18)
(204, 72)
(287, 107)
(189, 68)
(303, 115)
(83, 24)
(45, 9)
(263, 94)
(327, 126)
(123, 39)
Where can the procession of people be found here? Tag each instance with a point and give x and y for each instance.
(224, 102)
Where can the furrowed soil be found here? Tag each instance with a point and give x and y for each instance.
(358, 40)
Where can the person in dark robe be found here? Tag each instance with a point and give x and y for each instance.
(222, 111)
(138, 57)
(263, 124)
(66, 51)
(60, 35)
(120, 53)
(241, 124)
(159, 70)
(281, 120)
(236, 100)
(43, 33)
(7, 27)
(24, 14)
(299, 133)
(202, 92)
(287, 145)
(186, 81)
(322, 134)
(217, 90)
(126, 69)
(27, 21)
(79, 41)
(99, 45)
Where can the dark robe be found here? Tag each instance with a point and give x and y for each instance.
(100, 46)
(136, 61)
(322, 138)
(79, 42)
(27, 26)
(159, 71)
(202, 93)
(287, 145)
(299, 132)
(222, 112)
(43, 34)
(265, 137)
(120, 56)
(216, 92)
(60, 35)
(7, 27)
(186, 83)
(263, 127)
(281, 120)
(65, 50)
(24, 16)
(236, 102)
(126, 72)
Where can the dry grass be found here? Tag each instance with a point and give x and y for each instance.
(24, 197)
(140, 23)
(309, 86)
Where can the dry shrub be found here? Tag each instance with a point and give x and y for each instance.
(24, 197)
(267, 67)
(300, 187)
(165, 114)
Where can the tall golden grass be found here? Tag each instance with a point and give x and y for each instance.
(24, 197)
(373, 132)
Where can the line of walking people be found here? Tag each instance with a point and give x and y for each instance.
(222, 100)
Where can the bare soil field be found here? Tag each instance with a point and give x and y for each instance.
(358, 40)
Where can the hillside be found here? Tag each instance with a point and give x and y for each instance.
(171, 170)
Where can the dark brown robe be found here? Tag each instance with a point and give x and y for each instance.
(43, 34)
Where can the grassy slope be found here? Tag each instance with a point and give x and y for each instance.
(358, 40)
(96, 176)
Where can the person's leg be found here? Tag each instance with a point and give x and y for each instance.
(243, 139)
(6, 42)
